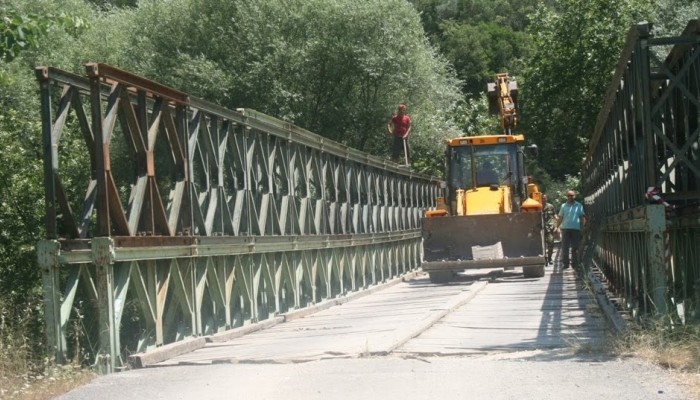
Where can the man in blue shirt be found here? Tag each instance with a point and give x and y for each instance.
(572, 218)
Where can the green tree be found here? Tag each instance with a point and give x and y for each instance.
(22, 31)
(473, 118)
(26, 31)
(509, 14)
(337, 68)
(19, 32)
(670, 17)
(479, 38)
(107, 4)
(577, 46)
(21, 188)
(480, 51)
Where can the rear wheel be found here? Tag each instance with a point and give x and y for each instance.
(536, 271)
(440, 276)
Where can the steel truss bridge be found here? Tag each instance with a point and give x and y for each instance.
(170, 218)
(642, 177)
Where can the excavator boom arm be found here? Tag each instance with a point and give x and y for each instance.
(503, 101)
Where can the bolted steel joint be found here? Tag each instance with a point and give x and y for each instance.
(103, 251)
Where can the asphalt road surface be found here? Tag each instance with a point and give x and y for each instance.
(490, 334)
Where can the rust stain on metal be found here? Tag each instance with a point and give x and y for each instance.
(109, 73)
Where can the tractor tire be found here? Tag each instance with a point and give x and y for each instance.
(536, 271)
(440, 276)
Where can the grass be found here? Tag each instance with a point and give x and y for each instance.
(25, 371)
(49, 383)
(677, 350)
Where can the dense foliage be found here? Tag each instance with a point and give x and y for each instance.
(479, 37)
(576, 48)
(335, 67)
(338, 68)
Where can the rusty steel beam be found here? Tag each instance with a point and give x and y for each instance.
(110, 75)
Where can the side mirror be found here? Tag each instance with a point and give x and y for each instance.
(532, 150)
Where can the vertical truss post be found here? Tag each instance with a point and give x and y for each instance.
(656, 253)
(50, 152)
(103, 257)
(101, 158)
(199, 285)
(642, 60)
(47, 254)
(187, 212)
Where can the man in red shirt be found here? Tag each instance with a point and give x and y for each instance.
(400, 127)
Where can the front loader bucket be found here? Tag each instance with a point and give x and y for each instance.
(482, 241)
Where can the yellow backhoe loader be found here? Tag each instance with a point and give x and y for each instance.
(491, 215)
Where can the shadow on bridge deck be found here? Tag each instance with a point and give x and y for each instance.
(519, 317)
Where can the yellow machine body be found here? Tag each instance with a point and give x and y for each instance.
(491, 215)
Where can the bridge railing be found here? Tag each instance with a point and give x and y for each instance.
(169, 217)
(642, 176)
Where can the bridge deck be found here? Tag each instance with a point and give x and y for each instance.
(482, 312)
(514, 314)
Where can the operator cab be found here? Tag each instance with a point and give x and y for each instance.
(473, 167)
(486, 163)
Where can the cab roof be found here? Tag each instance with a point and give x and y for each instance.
(484, 140)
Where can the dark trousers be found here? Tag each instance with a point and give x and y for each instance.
(549, 242)
(397, 150)
(570, 239)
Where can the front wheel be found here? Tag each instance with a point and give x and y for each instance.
(440, 276)
(536, 271)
